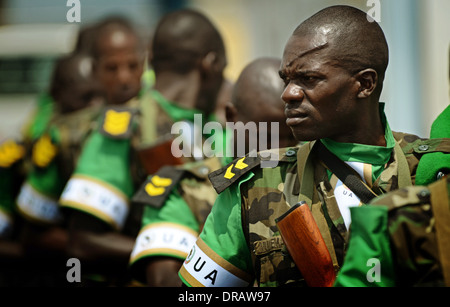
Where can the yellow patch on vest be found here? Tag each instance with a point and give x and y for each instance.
(161, 182)
(239, 165)
(154, 191)
(44, 151)
(10, 152)
(229, 174)
(157, 186)
(116, 123)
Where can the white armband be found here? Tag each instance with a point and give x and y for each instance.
(97, 198)
(164, 238)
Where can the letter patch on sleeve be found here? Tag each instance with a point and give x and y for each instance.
(96, 198)
(204, 268)
(167, 239)
(37, 206)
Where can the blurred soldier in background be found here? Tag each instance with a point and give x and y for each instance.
(77, 102)
(119, 58)
(180, 210)
(134, 139)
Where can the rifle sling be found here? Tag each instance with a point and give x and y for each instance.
(345, 173)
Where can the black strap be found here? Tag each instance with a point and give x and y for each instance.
(345, 173)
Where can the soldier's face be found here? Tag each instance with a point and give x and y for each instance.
(119, 68)
(320, 96)
(80, 95)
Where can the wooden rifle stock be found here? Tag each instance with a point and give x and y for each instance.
(154, 157)
(306, 246)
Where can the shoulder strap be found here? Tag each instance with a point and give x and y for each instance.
(226, 176)
(441, 211)
(155, 190)
(345, 173)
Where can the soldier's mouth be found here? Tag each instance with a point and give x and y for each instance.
(294, 118)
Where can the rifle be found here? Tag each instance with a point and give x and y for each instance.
(158, 155)
(306, 246)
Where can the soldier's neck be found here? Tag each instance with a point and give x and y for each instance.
(181, 90)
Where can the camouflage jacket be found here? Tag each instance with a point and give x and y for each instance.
(415, 230)
(301, 176)
(177, 201)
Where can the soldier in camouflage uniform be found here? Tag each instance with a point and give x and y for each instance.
(333, 67)
(400, 239)
(179, 210)
(134, 140)
(407, 231)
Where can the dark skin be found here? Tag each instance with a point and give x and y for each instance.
(120, 66)
(260, 101)
(257, 99)
(324, 100)
(95, 244)
(223, 98)
(188, 57)
(73, 89)
(188, 89)
(185, 91)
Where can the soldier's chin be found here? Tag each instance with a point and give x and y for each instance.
(124, 97)
(304, 136)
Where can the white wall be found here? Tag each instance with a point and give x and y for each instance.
(435, 42)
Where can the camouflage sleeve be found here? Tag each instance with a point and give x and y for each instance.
(102, 184)
(220, 257)
(411, 254)
(412, 236)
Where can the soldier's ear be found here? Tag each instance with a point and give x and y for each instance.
(367, 81)
(208, 62)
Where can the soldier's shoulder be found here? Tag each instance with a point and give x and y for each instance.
(201, 169)
(157, 187)
(226, 176)
(413, 144)
(408, 196)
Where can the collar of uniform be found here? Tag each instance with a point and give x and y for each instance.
(175, 112)
(353, 152)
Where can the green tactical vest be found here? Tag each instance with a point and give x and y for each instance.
(272, 191)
